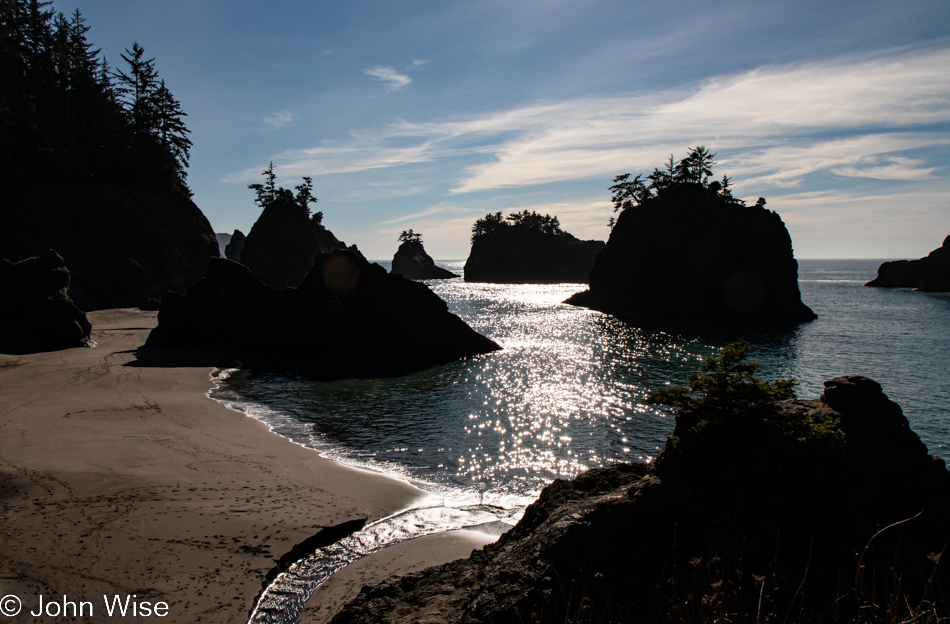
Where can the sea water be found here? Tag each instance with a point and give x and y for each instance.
(566, 394)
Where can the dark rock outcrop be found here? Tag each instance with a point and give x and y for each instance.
(284, 242)
(223, 240)
(125, 246)
(348, 318)
(36, 312)
(521, 256)
(689, 256)
(929, 274)
(412, 262)
(235, 247)
(828, 506)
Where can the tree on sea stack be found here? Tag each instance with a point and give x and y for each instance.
(408, 236)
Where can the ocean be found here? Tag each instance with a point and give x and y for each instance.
(565, 394)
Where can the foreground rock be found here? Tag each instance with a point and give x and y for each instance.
(348, 318)
(36, 312)
(930, 274)
(125, 245)
(284, 242)
(412, 262)
(818, 508)
(528, 248)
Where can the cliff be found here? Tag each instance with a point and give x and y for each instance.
(36, 312)
(824, 509)
(283, 243)
(687, 255)
(125, 245)
(520, 255)
(412, 262)
(930, 274)
(348, 318)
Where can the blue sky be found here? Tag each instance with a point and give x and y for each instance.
(428, 115)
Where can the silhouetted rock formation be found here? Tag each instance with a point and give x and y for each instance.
(740, 514)
(223, 240)
(35, 311)
(523, 256)
(236, 247)
(348, 318)
(125, 246)
(412, 262)
(930, 274)
(283, 243)
(688, 256)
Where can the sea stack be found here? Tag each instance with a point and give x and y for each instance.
(691, 253)
(528, 248)
(929, 274)
(412, 262)
(348, 318)
(235, 246)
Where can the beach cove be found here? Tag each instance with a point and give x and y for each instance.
(119, 476)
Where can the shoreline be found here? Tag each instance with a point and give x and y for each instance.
(120, 475)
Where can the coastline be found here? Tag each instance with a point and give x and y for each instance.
(118, 475)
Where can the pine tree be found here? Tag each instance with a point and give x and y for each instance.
(137, 89)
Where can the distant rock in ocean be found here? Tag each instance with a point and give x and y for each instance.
(348, 318)
(929, 274)
(223, 240)
(412, 262)
(284, 242)
(125, 245)
(235, 246)
(814, 507)
(691, 255)
(528, 248)
(35, 309)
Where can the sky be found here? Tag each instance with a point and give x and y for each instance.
(431, 114)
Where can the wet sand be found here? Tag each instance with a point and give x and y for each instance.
(119, 476)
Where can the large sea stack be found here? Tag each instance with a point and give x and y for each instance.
(690, 255)
(810, 511)
(284, 242)
(929, 274)
(348, 318)
(36, 312)
(125, 246)
(528, 248)
(412, 262)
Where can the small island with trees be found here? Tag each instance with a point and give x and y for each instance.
(527, 248)
(685, 250)
(412, 262)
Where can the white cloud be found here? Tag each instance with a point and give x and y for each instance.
(389, 75)
(277, 120)
(418, 63)
(854, 117)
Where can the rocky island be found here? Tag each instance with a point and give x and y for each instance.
(285, 240)
(412, 262)
(348, 318)
(929, 274)
(684, 250)
(754, 509)
(527, 248)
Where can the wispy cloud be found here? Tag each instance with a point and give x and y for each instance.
(853, 117)
(393, 79)
(419, 63)
(277, 120)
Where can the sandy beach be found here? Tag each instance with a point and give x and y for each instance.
(118, 476)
